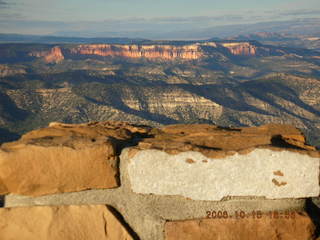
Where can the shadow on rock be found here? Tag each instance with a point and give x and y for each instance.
(1, 201)
(313, 209)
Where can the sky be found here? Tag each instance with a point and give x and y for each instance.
(85, 17)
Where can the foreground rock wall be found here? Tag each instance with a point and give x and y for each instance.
(113, 180)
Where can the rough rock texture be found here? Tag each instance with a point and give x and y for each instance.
(67, 158)
(260, 173)
(146, 213)
(138, 51)
(63, 222)
(218, 160)
(64, 158)
(241, 166)
(265, 228)
(218, 142)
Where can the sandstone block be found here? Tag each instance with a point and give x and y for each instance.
(63, 223)
(265, 228)
(261, 173)
(204, 162)
(64, 158)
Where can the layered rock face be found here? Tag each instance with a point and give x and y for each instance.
(152, 52)
(175, 182)
(140, 51)
(244, 104)
(169, 52)
(55, 55)
(242, 48)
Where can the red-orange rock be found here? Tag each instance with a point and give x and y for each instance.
(62, 222)
(138, 51)
(69, 158)
(266, 228)
(217, 142)
(64, 158)
(55, 55)
(241, 48)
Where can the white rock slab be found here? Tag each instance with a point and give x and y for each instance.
(263, 173)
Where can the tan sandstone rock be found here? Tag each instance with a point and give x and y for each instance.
(62, 222)
(64, 158)
(265, 228)
(75, 157)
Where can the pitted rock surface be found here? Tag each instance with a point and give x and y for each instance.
(217, 142)
(64, 158)
(62, 222)
(300, 227)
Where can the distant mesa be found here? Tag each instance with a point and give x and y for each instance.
(165, 52)
(53, 56)
(245, 48)
(140, 51)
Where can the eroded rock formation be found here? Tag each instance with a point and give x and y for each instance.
(241, 48)
(140, 51)
(165, 52)
(55, 55)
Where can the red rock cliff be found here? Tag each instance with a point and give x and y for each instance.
(138, 51)
(241, 48)
(53, 56)
(165, 52)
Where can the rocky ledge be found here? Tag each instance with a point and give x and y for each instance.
(175, 182)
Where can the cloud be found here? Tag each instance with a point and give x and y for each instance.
(13, 20)
(300, 12)
(6, 17)
(291, 14)
(3, 4)
(198, 19)
(167, 21)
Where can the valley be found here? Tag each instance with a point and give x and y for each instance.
(229, 83)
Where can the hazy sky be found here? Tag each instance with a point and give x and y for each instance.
(50, 16)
